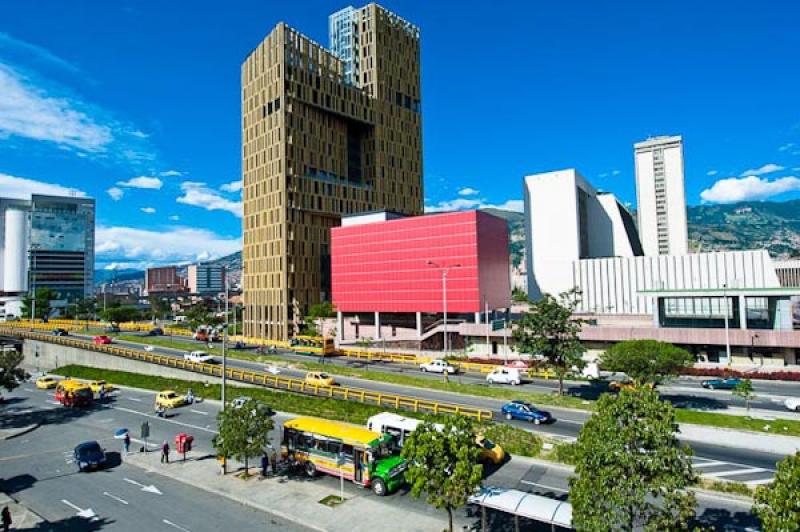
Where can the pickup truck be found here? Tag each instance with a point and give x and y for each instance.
(437, 366)
(200, 357)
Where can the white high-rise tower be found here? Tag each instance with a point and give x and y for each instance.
(660, 196)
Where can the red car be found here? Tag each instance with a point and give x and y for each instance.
(102, 339)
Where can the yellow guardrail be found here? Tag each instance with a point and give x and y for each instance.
(265, 379)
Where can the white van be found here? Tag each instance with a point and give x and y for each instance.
(398, 426)
(200, 357)
(504, 375)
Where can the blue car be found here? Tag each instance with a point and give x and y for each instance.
(721, 384)
(89, 455)
(525, 412)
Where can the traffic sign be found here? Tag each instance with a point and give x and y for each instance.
(498, 324)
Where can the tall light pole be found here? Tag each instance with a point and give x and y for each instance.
(33, 248)
(445, 270)
(727, 328)
(224, 341)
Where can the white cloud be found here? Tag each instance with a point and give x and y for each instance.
(116, 193)
(22, 188)
(468, 192)
(510, 205)
(735, 189)
(464, 204)
(171, 173)
(199, 195)
(786, 147)
(148, 210)
(712, 173)
(141, 181)
(29, 112)
(7, 42)
(182, 244)
(766, 169)
(174, 217)
(615, 172)
(233, 186)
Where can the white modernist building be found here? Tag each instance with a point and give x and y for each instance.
(660, 196)
(568, 220)
(13, 255)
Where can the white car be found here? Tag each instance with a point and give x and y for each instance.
(437, 366)
(200, 357)
(793, 403)
(504, 376)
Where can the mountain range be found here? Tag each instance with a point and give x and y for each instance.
(770, 225)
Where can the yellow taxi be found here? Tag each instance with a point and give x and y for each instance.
(319, 378)
(46, 383)
(490, 451)
(618, 386)
(169, 399)
(97, 385)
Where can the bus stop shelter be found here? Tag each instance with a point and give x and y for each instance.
(558, 514)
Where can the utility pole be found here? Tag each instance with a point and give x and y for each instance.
(445, 270)
(224, 341)
(727, 329)
(488, 345)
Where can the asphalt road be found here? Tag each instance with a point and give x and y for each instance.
(36, 468)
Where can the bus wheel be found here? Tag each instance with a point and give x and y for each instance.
(379, 487)
(311, 469)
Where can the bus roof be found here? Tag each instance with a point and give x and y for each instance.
(352, 434)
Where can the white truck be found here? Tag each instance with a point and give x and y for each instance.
(201, 357)
(437, 366)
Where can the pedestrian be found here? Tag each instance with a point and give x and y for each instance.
(6, 519)
(264, 464)
(102, 392)
(126, 443)
(165, 452)
(446, 377)
(273, 457)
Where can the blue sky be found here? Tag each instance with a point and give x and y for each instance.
(137, 104)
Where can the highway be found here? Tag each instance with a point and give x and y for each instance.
(36, 469)
(725, 463)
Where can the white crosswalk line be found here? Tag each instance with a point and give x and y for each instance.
(709, 464)
(736, 472)
(759, 481)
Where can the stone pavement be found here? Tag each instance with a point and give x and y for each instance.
(21, 516)
(296, 499)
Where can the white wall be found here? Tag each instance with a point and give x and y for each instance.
(15, 251)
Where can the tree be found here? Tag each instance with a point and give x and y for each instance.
(43, 298)
(159, 307)
(549, 329)
(646, 361)
(519, 296)
(443, 463)
(11, 375)
(120, 314)
(745, 390)
(243, 431)
(321, 310)
(631, 471)
(777, 504)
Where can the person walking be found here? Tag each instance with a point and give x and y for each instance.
(102, 392)
(446, 376)
(264, 464)
(273, 457)
(165, 452)
(6, 519)
(126, 443)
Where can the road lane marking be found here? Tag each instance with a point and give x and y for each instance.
(759, 481)
(545, 486)
(118, 499)
(709, 464)
(87, 513)
(134, 399)
(153, 416)
(150, 489)
(170, 523)
(735, 472)
(199, 412)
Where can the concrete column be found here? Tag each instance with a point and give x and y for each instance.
(419, 325)
(378, 333)
(478, 318)
(339, 325)
(655, 312)
(742, 313)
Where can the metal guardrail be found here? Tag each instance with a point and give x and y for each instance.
(264, 379)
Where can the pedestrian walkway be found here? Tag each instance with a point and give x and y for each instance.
(22, 518)
(297, 499)
(732, 472)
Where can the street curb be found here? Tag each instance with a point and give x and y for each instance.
(20, 432)
(248, 503)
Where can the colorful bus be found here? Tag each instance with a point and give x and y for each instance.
(358, 454)
(313, 345)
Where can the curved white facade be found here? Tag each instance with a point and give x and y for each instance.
(15, 251)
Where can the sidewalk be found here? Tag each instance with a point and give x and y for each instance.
(21, 516)
(296, 499)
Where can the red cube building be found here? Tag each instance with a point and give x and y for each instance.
(384, 263)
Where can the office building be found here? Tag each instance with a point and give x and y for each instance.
(206, 278)
(388, 273)
(325, 133)
(163, 280)
(567, 220)
(46, 242)
(660, 196)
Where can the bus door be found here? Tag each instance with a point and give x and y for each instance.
(359, 461)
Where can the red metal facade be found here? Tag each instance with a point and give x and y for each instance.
(384, 266)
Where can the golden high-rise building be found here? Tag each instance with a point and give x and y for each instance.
(325, 132)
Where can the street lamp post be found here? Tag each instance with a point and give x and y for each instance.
(445, 270)
(727, 328)
(224, 342)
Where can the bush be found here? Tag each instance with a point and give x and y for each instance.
(566, 453)
(513, 440)
(793, 376)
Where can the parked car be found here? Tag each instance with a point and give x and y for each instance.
(169, 399)
(319, 378)
(793, 403)
(437, 366)
(101, 339)
(58, 331)
(240, 401)
(525, 412)
(89, 455)
(157, 331)
(201, 357)
(46, 383)
(504, 375)
(721, 384)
